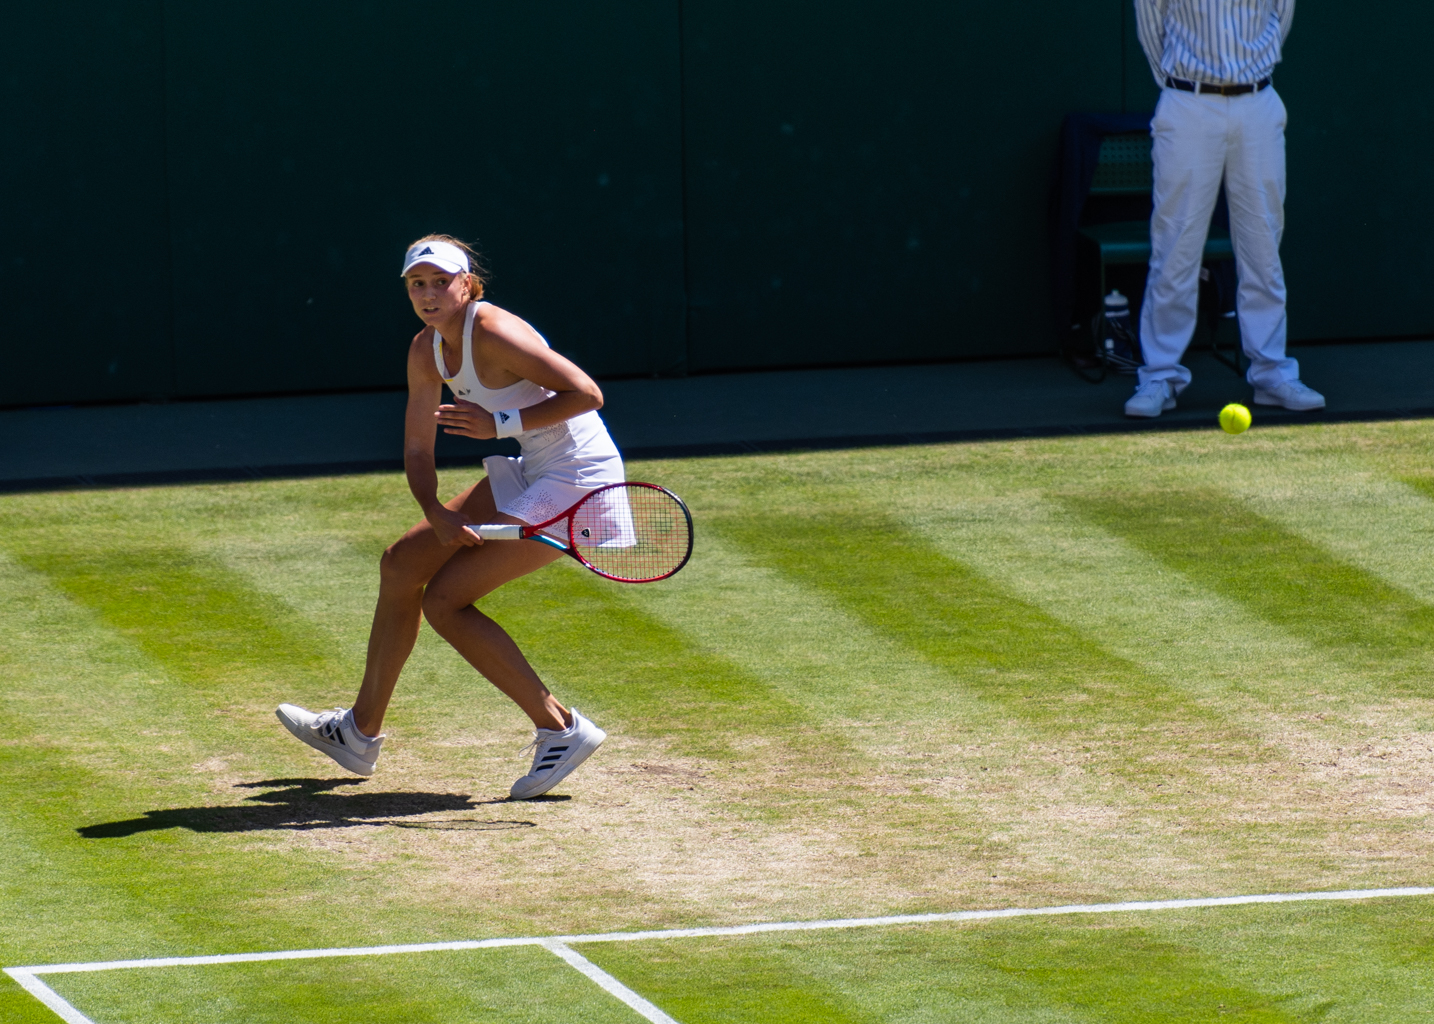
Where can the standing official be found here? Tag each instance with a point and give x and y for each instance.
(1218, 119)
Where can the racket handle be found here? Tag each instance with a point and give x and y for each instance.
(497, 531)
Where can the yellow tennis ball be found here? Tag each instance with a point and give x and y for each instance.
(1234, 418)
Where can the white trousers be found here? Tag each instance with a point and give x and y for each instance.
(1200, 140)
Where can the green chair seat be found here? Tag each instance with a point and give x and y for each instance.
(1129, 242)
(1123, 171)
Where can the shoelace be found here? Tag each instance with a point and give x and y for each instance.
(329, 722)
(535, 744)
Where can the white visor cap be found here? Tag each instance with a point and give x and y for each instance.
(443, 255)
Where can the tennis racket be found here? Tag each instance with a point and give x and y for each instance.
(630, 532)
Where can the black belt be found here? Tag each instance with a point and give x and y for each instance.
(1222, 90)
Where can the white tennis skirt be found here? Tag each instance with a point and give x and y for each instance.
(536, 491)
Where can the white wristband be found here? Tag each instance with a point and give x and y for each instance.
(508, 422)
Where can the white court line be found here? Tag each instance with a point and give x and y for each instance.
(48, 996)
(288, 954)
(607, 982)
(739, 929)
(558, 944)
(987, 915)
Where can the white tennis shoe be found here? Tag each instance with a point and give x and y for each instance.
(1150, 400)
(333, 733)
(557, 755)
(1291, 394)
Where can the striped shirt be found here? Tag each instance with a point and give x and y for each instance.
(1222, 42)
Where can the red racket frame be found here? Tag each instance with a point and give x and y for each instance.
(510, 531)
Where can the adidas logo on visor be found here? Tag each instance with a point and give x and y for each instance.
(449, 258)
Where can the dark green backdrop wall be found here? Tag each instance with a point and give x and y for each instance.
(235, 184)
(870, 184)
(205, 199)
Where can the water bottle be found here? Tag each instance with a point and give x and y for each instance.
(1120, 347)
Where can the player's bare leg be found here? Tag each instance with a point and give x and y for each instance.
(562, 739)
(352, 736)
(421, 577)
(405, 569)
(467, 577)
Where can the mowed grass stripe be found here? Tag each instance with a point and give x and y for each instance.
(988, 640)
(48, 877)
(1290, 711)
(165, 782)
(595, 648)
(168, 892)
(19, 1007)
(97, 732)
(185, 610)
(637, 849)
(74, 683)
(140, 894)
(1347, 504)
(932, 736)
(1113, 973)
(1123, 598)
(804, 644)
(649, 679)
(772, 778)
(764, 985)
(1212, 537)
(524, 985)
(892, 772)
(1335, 963)
(1112, 757)
(1424, 484)
(1367, 960)
(1125, 975)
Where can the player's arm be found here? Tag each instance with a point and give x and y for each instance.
(502, 340)
(425, 394)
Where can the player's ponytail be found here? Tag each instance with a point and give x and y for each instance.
(477, 272)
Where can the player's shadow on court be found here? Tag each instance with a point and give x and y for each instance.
(303, 804)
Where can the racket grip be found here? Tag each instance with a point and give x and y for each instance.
(497, 531)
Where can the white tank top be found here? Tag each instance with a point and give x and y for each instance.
(585, 435)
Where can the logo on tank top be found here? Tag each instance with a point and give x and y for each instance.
(463, 392)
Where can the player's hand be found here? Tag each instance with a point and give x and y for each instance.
(448, 527)
(466, 419)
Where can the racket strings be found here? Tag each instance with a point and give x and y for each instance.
(633, 532)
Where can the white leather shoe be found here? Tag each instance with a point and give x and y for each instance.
(1290, 395)
(556, 754)
(1150, 400)
(333, 733)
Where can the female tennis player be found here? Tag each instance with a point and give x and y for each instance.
(506, 382)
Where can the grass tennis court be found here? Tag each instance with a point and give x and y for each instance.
(911, 680)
